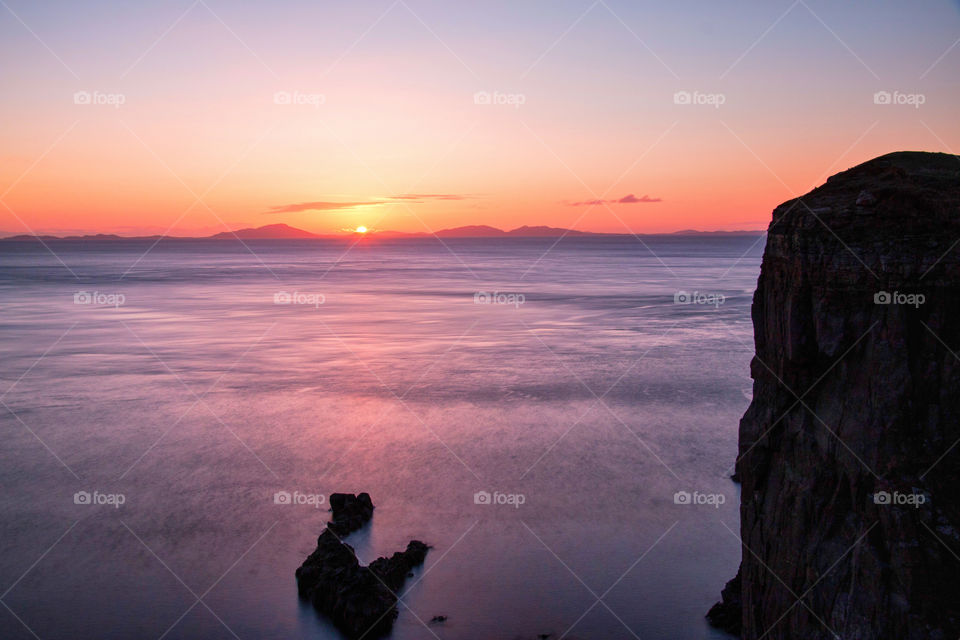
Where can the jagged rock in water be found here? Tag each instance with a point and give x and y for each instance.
(361, 601)
(727, 614)
(393, 571)
(856, 406)
(350, 512)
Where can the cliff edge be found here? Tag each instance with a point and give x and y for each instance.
(848, 455)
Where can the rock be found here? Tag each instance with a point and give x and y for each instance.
(350, 512)
(438, 619)
(357, 602)
(857, 393)
(866, 199)
(361, 601)
(727, 613)
(395, 569)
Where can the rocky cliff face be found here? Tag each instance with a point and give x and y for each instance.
(849, 456)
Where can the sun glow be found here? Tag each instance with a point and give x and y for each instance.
(361, 229)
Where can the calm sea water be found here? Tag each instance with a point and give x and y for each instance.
(565, 378)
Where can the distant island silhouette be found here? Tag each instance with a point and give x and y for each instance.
(282, 231)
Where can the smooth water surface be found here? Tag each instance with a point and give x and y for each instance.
(582, 386)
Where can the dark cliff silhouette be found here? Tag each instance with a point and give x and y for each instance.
(848, 455)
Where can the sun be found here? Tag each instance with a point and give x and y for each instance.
(361, 229)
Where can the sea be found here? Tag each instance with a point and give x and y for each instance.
(556, 418)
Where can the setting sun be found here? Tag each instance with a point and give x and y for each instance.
(361, 229)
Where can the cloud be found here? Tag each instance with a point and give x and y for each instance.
(326, 205)
(627, 199)
(632, 199)
(319, 206)
(429, 196)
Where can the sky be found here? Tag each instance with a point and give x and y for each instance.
(191, 117)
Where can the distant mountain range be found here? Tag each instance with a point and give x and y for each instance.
(281, 231)
(286, 232)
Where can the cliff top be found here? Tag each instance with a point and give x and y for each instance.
(906, 191)
(894, 219)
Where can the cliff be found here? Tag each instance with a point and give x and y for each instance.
(848, 455)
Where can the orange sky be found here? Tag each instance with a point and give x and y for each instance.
(372, 115)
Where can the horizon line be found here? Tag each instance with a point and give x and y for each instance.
(350, 233)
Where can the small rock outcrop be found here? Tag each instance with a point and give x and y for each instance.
(728, 613)
(350, 512)
(361, 601)
(848, 455)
